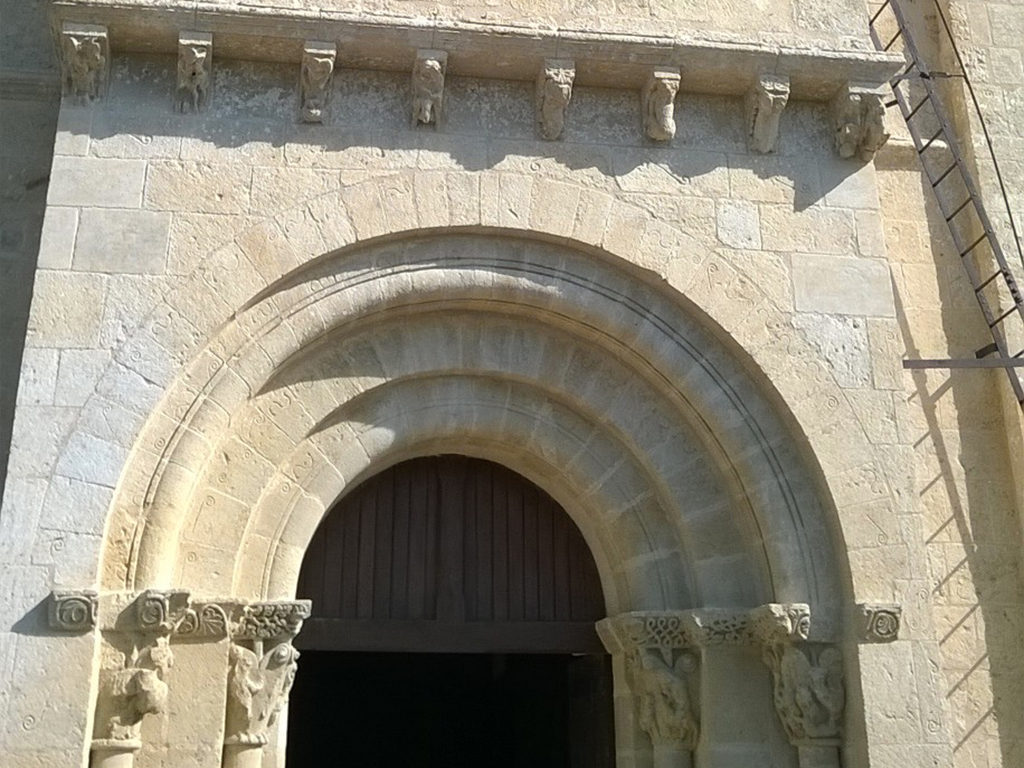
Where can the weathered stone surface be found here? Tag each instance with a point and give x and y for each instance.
(91, 181)
(842, 286)
(121, 241)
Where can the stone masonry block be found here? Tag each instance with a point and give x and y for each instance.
(738, 224)
(57, 240)
(197, 187)
(38, 376)
(842, 286)
(96, 182)
(66, 310)
(122, 241)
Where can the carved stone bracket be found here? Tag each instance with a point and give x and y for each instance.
(73, 610)
(263, 664)
(553, 94)
(764, 104)
(879, 622)
(85, 61)
(428, 87)
(858, 120)
(658, 103)
(315, 80)
(195, 70)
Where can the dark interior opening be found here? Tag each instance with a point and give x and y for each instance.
(414, 710)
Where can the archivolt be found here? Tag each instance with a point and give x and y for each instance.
(584, 377)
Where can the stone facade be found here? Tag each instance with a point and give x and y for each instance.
(658, 258)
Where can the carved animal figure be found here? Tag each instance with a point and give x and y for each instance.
(554, 94)
(316, 73)
(193, 77)
(258, 689)
(809, 694)
(859, 125)
(428, 91)
(659, 108)
(140, 689)
(86, 63)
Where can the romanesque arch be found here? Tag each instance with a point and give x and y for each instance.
(541, 341)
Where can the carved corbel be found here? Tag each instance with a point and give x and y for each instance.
(263, 664)
(661, 662)
(428, 87)
(764, 104)
(808, 687)
(195, 70)
(858, 120)
(553, 94)
(85, 61)
(658, 102)
(318, 61)
(135, 661)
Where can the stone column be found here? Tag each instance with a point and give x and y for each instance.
(262, 670)
(661, 666)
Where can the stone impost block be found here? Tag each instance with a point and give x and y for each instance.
(122, 241)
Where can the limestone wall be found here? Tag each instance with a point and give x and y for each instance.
(824, 270)
(965, 425)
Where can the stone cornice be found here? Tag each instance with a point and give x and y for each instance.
(710, 64)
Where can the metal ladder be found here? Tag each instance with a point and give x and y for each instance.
(943, 163)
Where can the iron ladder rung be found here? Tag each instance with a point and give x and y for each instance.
(973, 245)
(945, 173)
(988, 280)
(1003, 316)
(879, 12)
(959, 208)
(931, 141)
(917, 109)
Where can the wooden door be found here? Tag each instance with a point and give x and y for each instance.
(450, 554)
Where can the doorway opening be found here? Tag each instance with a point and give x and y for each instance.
(397, 710)
(453, 623)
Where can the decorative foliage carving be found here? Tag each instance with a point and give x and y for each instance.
(663, 707)
(85, 61)
(258, 685)
(269, 621)
(658, 102)
(880, 622)
(764, 104)
(858, 119)
(195, 66)
(428, 87)
(203, 621)
(315, 80)
(721, 626)
(554, 92)
(73, 610)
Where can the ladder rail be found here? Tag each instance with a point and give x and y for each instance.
(909, 114)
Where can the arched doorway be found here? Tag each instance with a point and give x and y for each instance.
(453, 624)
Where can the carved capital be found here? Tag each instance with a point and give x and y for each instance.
(858, 121)
(879, 622)
(764, 104)
(318, 61)
(553, 94)
(73, 610)
(85, 61)
(428, 87)
(659, 655)
(259, 681)
(195, 70)
(658, 102)
(133, 684)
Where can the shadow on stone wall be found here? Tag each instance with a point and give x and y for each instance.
(972, 532)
